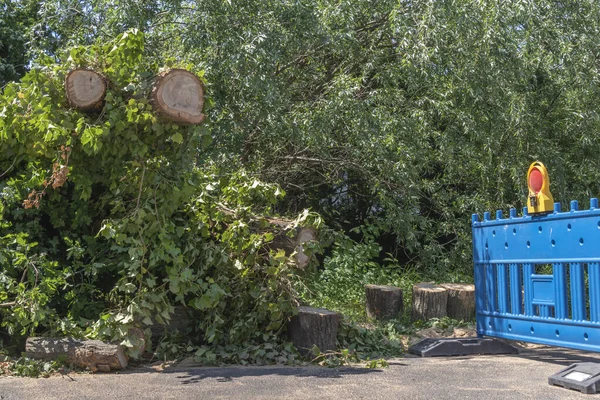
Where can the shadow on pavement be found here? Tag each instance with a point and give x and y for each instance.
(195, 374)
(545, 354)
(228, 374)
(558, 355)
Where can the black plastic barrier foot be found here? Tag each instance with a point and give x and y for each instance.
(584, 377)
(461, 347)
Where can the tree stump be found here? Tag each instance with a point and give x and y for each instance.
(92, 354)
(178, 95)
(383, 302)
(85, 89)
(428, 301)
(314, 327)
(461, 301)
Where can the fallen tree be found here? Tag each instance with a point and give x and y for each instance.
(108, 222)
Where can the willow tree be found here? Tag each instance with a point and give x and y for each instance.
(401, 116)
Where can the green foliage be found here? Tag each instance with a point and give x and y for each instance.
(107, 222)
(444, 323)
(30, 368)
(413, 114)
(382, 340)
(378, 363)
(392, 120)
(16, 19)
(410, 115)
(358, 344)
(339, 286)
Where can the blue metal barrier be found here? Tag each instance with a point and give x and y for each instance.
(537, 277)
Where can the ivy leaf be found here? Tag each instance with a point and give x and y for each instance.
(203, 302)
(177, 138)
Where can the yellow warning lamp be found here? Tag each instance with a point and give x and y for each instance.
(539, 200)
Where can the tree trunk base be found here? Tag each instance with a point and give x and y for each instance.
(314, 327)
(429, 301)
(383, 302)
(91, 354)
(461, 301)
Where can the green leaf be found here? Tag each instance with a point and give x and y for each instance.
(177, 138)
(202, 303)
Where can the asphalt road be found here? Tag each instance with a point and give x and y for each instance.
(523, 376)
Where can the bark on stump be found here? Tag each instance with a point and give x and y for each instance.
(383, 302)
(92, 354)
(314, 327)
(461, 301)
(178, 95)
(85, 89)
(428, 301)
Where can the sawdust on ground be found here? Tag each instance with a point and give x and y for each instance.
(436, 333)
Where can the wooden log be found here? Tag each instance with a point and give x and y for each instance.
(92, 354)
(383, 302)
(461, 301)
(85, 89)
(314, 327)
(429, 301)
(178, 95)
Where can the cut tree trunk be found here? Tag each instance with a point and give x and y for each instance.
(85, 89)
(429, 301)
(290, 240)
(92, 354)
(287, 236)
(461, 301)
(383, 302)
(314, 327)
(178, 95)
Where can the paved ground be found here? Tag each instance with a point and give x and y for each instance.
(522, 376)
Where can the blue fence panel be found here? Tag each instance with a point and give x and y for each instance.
(537, 277)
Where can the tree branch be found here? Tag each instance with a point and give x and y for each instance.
(141, 187)
(9, 168)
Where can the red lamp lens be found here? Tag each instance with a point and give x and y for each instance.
(536, 180)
